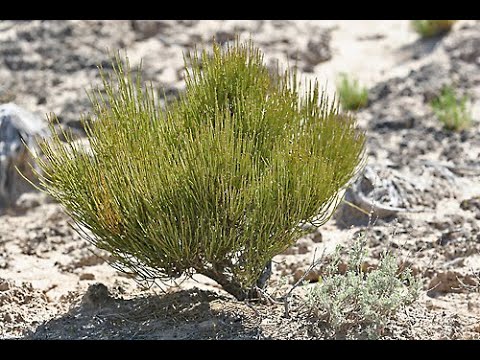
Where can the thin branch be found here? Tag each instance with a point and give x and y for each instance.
(299, 281)
(265, 296)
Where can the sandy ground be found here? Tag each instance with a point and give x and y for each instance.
(48, 273)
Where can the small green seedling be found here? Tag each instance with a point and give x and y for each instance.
(451, 110)
(430, 28)
(352, 95)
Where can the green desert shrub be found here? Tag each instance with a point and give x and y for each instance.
(451, 110)
(360, 302)
(215, 182)
(429, 28)
(352, 95)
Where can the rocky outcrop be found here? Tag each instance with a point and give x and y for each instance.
(17, 126)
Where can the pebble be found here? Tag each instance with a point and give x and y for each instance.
(87, 276)
(4, 285)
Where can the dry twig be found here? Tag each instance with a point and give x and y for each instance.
(302, 278)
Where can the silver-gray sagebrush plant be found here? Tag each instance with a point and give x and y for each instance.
(217, 181)
(360, 302)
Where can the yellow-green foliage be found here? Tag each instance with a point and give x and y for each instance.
(429, 28)
(218, 181)
(352, 95)
(452, 111)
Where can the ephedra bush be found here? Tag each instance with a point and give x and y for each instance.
(217, 181)
(430, 28)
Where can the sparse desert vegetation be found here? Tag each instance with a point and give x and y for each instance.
(361, 300)
(452, 110)
(429, 28)
(223, 163)
(239, 151)
(352, 95)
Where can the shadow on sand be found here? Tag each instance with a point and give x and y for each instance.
(186, 314)
(418, 49)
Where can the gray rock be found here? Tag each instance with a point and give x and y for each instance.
(464, 45)
(318, 48)
(431, 78)
(96, 297)
(223, 36)
(16, 125)
(30, 200)
(145, 29)
(5, 284)
(379, 193)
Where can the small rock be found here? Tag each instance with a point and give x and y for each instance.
(439, 225)
(8, 318)
(87, 276)
(312, 276)
(16, 125)
(304, 245)
(472, 204)
(149, 28)
(97, 295)
(207, 325)
(450, 282)
(308, 68)
(430, 79)
(318, 49)
(457, 219)
(380, 91)
(87, 260)
(316, 237)
(30, 200)
(4, 261)
(371, 37)
(223, 37)
(280, 23)
(188, 23)
(4, 285)
(170, 91)
(455, 235)
(463, 45)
